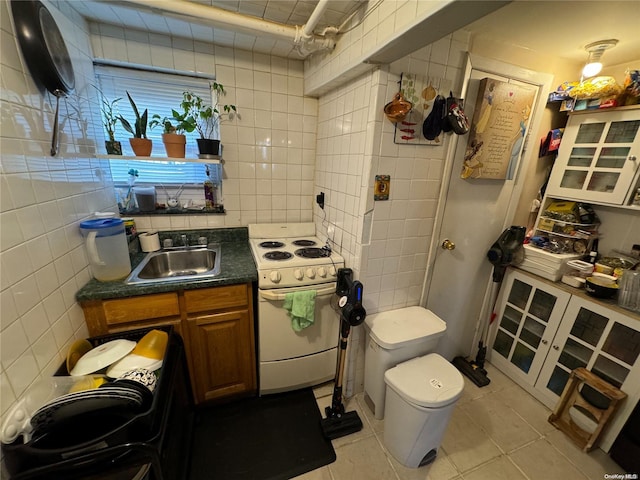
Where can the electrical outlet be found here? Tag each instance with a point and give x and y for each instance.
(320, 200)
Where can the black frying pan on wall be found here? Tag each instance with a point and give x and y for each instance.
(44, 52)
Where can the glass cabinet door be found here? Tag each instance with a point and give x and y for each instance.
(528, 319)
(593, 337)
(599, 158)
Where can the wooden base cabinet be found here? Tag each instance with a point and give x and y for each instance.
(222, 342)
(544, 332)
(216, 324)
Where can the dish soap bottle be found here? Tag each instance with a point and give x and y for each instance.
(209, 192)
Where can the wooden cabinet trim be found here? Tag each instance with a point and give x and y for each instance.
(143, 307)
(216, 298)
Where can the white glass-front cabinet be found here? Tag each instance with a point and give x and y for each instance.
(599, 157)
(544, 332)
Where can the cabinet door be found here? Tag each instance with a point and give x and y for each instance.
(597, 338)
(528, 318)
(222, 354)
(598, 158)
(603, 341)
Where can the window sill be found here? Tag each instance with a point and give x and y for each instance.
(217, 210)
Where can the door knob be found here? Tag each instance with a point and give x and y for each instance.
(448, 244)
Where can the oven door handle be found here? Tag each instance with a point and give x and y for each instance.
(268, 295)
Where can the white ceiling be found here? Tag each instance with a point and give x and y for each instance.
(288, 12)
(560, 28)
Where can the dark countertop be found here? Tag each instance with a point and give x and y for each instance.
(237, 266)
(581, 292)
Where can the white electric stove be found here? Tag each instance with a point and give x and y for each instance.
(290, 255)
(291, 258)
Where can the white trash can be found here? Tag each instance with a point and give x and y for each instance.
(421, 394)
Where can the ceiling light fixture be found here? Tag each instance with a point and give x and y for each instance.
(595, 50)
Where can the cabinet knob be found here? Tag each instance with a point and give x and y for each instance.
(556, 347)
(633, 158)
(544, 342)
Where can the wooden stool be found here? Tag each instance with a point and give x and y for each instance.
(571, 396)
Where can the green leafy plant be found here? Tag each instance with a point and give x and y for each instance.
(110, 117)
(207, 117)
(140, 130)
(177, 123)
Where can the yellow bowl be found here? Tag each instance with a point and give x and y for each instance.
(152, 345)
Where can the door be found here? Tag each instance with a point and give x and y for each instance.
(279, 341)
(222, 354)
(474, 214)
(603, 341)
(594, 337)
(527, 320)
(598, 158)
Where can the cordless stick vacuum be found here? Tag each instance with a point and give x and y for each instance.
(503, 252)
(338, 422)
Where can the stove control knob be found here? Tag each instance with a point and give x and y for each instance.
(322, 272)
(311, 273)
(275, 277)
(332, 271)
(298, 273)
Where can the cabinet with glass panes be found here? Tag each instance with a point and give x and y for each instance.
(599, 157)
(544, 331)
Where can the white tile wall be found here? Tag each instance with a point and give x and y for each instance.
(385, 242)
(269, 152)
(42, 201)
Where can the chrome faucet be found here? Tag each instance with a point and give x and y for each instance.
(185, 241)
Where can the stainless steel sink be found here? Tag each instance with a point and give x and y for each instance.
(175, 265)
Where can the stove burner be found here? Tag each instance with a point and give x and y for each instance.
(271, 244)
(312, 252)
(304, 243)
(277, 255)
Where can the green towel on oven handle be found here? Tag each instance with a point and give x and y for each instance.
(301, 308)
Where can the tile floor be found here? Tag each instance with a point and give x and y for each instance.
(497, 432)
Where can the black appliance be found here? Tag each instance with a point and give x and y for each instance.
(151, 445)
(626, 449)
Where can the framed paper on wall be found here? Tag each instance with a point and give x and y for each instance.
(498, 130)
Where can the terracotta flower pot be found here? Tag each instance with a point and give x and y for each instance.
(141, 146)
(206, 146)
(174, 144)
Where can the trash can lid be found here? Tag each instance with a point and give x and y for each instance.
(397, 328)
(429, 381)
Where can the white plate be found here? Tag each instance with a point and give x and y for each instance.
(131, 362)
(102, 356)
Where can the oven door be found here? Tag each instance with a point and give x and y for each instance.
(290, 359)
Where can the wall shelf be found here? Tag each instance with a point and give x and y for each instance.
(217, 159)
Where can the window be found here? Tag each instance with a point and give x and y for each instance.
(159, 93)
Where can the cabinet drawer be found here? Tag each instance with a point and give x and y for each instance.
(126, 310)
(204, 299)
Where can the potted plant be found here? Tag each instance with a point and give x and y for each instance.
(140, 144)
(172, 131)
(207, 118)
(109, 121)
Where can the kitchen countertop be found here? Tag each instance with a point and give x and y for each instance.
(236, 266)
(611, 303)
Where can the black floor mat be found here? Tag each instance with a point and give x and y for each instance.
(264, 438)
